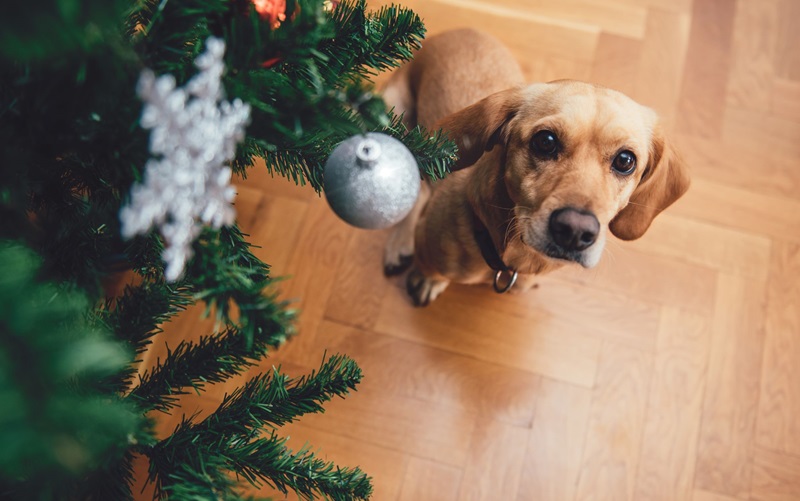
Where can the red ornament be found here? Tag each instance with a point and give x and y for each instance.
(269, 63)
(272, 11)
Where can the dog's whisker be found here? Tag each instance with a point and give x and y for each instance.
(500, 207)
(511, 232)
(644, 205)
(608, 251)
(511, 223)
(514, 229)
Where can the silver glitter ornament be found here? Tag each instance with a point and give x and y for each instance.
(371, 181)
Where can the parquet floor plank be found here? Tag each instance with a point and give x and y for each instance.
(726, 441)
(779, 405)
(752, 54)
(658, 83)
(616, 63)
(494, 468)
(776, 477)
(705, 74)
(752, 214)
(616, 425)
(428, 481)
(675, 408)
(787, 59)
(555, 445)
(551, 347)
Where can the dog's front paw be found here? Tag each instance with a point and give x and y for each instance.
(422, 289)
(399, 253)
(396, 264)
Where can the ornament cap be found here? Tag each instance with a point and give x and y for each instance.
(368, 152)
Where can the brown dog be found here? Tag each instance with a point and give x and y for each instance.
(545, 169)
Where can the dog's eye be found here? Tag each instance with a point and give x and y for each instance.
(624, 163)
(545, 144)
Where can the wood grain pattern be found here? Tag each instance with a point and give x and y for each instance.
(773, 216)
(406, 368)
(670, 372)
(761, 131)
(616, 62)
(785, 98)
(494, 468)
(427, 479)
(708, 245)
(616, 422)
(701, 495)
(776, 477)
(787, 59)
(534, 342)
(732, 164)
(754, 43)
(779, 406)
(726, 443)
(674, 409)
(357, 296)
(555, 445)
(705, 73)
(661, 62)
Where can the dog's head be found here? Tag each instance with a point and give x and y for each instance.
(578, 159)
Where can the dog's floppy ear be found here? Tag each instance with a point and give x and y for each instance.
(665, 179)
(477, 128)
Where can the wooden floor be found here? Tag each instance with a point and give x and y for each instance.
(671, 372)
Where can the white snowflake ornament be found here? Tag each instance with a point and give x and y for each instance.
(193, 136)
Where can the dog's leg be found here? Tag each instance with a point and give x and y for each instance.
(424, 289)
(399, 252)
(398, 96)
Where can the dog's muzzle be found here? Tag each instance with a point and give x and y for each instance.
(570, 235)
(573, 230)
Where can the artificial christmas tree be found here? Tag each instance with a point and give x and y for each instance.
(86, 190)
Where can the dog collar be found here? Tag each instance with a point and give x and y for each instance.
(492, 257)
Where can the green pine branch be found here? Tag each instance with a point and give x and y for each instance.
(257, 322)
(236, 285)
(258, 461)
(366, 43)
(112, 480)
(268, 460)
(223, 273)
(213, 359)
(201, 475)
(225, 439)
(168, 35)
(56, 30)
(274, 399)
(50, 358)
(434, 152)
(137, 315)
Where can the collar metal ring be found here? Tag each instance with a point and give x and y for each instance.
(509, 284)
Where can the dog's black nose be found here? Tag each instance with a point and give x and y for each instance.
(573, 230)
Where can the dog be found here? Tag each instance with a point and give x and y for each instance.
(544, 171)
